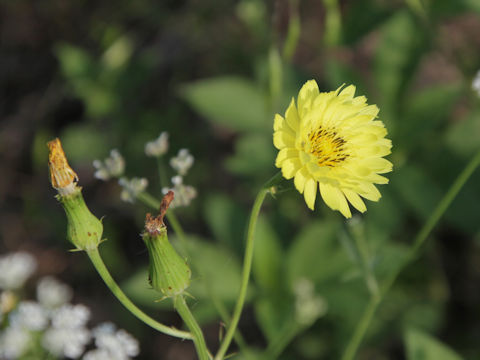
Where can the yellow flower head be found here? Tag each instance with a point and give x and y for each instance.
(334, 140)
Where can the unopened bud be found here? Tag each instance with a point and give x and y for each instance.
(168, 272)
(84, 230)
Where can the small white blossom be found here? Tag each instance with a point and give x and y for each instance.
(98, 354)
(112, 167)
(29, 315)
(51, 293)
(70, 316)
(68, 335)
(476, 83)
(157, 147)
(68, 342)
(182, 162)
(15, 269)
(131, 188)
(308, 306)
(118, 344)
(184, 194)
(14, 342)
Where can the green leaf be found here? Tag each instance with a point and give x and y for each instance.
(425, 111)
(317, 254)
(398, 54)
(226, 220)
(215, 269)
(267, 257)
(421, 346)
(462, 135)
(74, 61)
(416, 189)
(254, 153)
(232, 102)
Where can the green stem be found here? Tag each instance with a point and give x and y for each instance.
(102, 270)
(420, 239)
(187, 316)
(247, 266)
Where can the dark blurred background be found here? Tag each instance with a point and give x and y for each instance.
(114, 74)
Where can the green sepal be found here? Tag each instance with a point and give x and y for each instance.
(84, 230)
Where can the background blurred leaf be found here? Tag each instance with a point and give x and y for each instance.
(268, 258)
(421, 346)
(232, 102)
(463, 135)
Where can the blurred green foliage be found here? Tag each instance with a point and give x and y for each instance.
(213, 75)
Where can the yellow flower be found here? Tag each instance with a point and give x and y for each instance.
(334, 140)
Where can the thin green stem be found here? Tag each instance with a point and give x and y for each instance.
(187, 316)
(102, 270)
(420, 239)
(247, 266)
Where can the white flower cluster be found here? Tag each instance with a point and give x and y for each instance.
(60, 327)
(112, 167)
(476, 83)
(15, 269)
(157, 147)
(184, 194)
(131, 188)
(308, 306)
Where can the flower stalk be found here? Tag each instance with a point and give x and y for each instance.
(413, 253)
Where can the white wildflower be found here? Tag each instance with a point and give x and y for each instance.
(157, 147)
(70, 316)
(308, 306)
(476, 83)
(118, 344)
(131, 188)
(68, 342)
(112, 167)
(29, 315)
(98, 354)
(14, 342)
(51, 293)
(182, 162)
(68, 335)
(184, 194)
(15, 269)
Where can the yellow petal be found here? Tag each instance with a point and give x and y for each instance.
(310, 192)
(355, 200)
(348, 92)
(369, 191)
(285, 153)
(307, 94)
(291, 115)
(283, 139)
(278, 122)
(301, 178)
(290, 167)
(335, 199)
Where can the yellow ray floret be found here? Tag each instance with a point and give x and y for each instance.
(333, 142)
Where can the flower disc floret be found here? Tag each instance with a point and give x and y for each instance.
(334, 140)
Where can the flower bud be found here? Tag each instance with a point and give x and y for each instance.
(84, 230)
(168, 272)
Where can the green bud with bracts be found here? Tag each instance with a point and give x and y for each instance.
(84, 230)
(168, 271)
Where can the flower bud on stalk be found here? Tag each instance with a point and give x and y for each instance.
(168, 272)
(84, 230)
